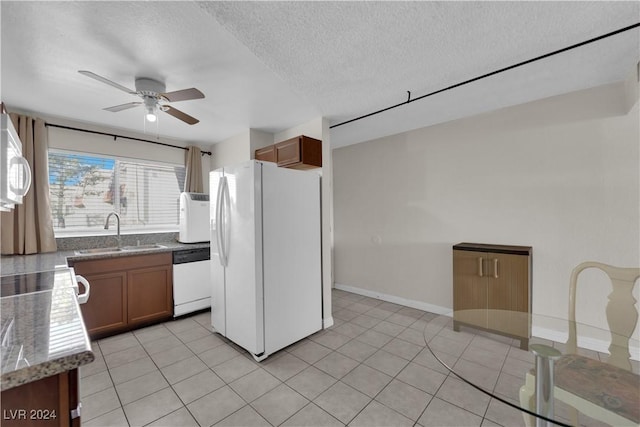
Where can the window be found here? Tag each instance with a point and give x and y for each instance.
(84, 188)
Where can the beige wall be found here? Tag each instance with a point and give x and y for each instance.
(259, 139)
(313, 128)
(561, 175)
(231, 151)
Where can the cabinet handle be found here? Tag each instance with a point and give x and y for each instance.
(76, 413)
(83, 298)
(480, 272)
(495, 268)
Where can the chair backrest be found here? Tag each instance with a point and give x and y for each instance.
(622, 315)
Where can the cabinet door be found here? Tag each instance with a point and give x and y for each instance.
(469, 280)
(266, 154)
(508, 282)
(508, 292)
(45, 402)
(288, 152)
(106, 310)
(149, 294)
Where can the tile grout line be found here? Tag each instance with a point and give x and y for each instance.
(290, 350)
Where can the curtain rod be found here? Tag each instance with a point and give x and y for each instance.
(121, 136)
(409, 100)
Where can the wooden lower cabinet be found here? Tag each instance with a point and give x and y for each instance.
(126, 292)
(106, 310)
(492, 288)
(45, 402)
(149, 294)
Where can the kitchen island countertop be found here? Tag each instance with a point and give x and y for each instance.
(43, 333)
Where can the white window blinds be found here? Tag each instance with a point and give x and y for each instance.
(86, 187)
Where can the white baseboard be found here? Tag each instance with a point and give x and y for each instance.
(594, 344)
(395, 299)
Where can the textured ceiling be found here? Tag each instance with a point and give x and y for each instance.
(273, 65)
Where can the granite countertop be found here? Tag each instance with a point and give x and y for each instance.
(40, 315)
(16, 264)
(43, 332)
(164, 247)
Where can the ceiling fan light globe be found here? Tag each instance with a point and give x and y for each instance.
(151, 117)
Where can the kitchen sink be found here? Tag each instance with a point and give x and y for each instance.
(143, 247)
(95, 251)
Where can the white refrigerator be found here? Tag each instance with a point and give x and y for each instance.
(265, 255)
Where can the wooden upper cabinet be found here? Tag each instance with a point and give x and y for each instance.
(301, 152)
(266, 154)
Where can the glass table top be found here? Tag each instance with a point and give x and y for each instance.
(494, 351)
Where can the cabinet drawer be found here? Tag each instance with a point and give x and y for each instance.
(121, 263)
(266, 154)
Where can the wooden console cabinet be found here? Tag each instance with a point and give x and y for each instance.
(126, 292)
(50, 401)
(301, 152)
(497, 278)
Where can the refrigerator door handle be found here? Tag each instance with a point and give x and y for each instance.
(226, 214)
(219, 219)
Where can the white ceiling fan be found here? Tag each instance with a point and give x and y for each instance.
(152, 93)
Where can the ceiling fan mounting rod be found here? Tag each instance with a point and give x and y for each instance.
(150, 87)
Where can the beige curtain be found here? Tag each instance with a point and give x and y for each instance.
(28, 228)
(193, 180)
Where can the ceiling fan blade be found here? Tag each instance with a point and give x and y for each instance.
(180, 115)
(106, 81)
(121, 107)
(183, 95)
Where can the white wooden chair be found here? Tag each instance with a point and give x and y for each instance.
(578, 379)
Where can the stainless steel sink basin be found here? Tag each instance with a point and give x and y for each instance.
(96, 251)
(143, 247)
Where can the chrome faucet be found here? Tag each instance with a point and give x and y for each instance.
(106, 224)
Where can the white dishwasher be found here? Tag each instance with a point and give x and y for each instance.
(191, 280)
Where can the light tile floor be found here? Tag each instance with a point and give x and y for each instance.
(371, 368)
